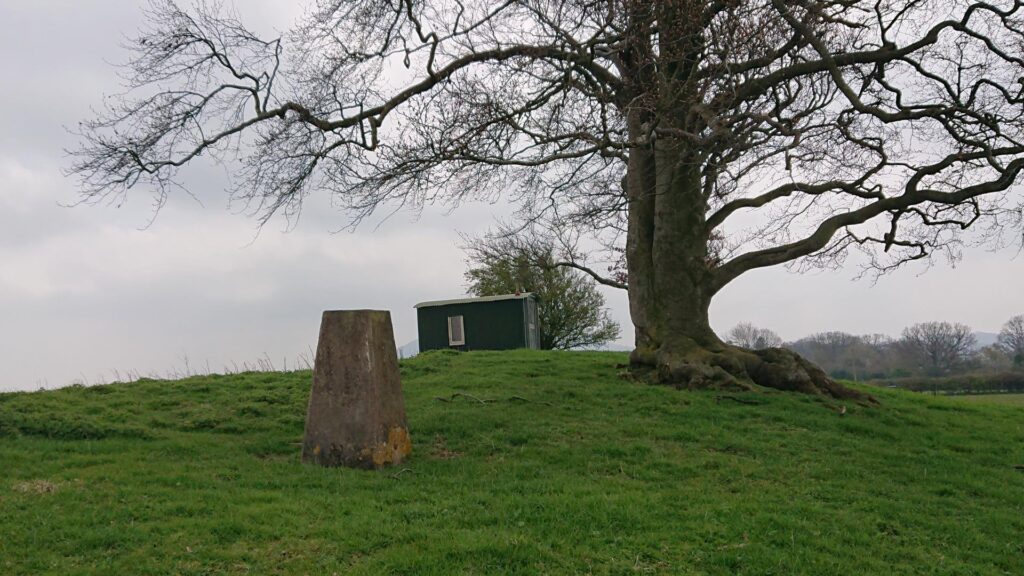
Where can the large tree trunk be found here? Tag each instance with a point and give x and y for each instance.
(640, 182)
(671, 276)
(671, 287)
(671, 280)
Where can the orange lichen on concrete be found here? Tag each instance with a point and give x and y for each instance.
(397, 447)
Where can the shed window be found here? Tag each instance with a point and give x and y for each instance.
(456, 331)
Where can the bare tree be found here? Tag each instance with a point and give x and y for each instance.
(844, 355)
(942, 346)
(1011, 339)
(887, 126)
(746, 335)
(994, 358)
(826, 348)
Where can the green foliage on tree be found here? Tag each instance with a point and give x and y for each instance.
(572, 310)
(1011, 340)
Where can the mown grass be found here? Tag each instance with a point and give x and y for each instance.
(583, 473)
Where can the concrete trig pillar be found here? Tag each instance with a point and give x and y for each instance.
(356, 413)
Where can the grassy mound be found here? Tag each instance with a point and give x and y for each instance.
(537, 463)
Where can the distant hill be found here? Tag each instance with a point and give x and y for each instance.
(409, 349)
(985, 339)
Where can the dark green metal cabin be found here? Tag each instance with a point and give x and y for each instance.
(488, 323)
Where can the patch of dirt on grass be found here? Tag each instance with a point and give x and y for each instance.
(440, 449)
(275, 456)
(36, 487)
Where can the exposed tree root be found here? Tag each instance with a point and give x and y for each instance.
(736, 400)
(489, 400)
(725, 367)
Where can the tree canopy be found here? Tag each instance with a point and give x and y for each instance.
(572, 309)
(1011, 339)
(940, 346)
(747, 335)
(705, 139)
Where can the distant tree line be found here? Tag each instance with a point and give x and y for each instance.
(928, 349)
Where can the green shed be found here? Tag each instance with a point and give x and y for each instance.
(487, 323)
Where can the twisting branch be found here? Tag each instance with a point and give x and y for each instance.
(810, 127)
(593, 274)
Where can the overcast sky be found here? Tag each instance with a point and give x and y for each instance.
(88, 291)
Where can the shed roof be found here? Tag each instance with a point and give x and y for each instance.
(521, 296)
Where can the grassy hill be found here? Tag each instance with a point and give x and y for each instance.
(569, 470)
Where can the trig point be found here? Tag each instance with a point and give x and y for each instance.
(356, 413)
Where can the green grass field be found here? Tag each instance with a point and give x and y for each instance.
(583, 473)
(1007, 399)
